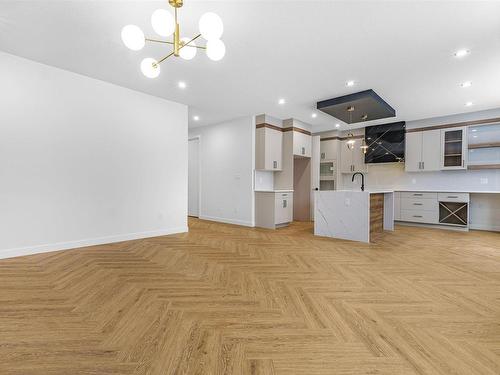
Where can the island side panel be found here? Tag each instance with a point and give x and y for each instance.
(342, 214)
(376, 215)
(389, 211)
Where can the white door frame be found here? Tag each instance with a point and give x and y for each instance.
(198, 137)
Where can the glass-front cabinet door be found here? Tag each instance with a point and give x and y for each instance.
(454, 148)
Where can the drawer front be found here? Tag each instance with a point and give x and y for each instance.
(453, 197)
(419, 204)
(422, 216)
(416, 194)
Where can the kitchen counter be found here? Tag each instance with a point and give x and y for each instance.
(274, 191)
(353, 215)
(448, 191)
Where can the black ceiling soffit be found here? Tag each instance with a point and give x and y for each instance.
(366, 106)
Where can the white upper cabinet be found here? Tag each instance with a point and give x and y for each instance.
(454, 148)
(268, 149)
(302, 144)
(413, 152)
(430, 150)
(328, 149)
(352, 159)
(422, 151)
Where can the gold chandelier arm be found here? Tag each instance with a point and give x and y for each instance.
(157, 41)
(163, 59)
(193, 39)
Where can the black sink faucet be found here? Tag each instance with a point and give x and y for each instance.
(362, 180)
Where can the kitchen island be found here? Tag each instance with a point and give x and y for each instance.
(353, 215)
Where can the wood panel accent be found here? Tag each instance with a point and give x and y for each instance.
(484, 166)
(291, 128)
(269, 126)
(230, 300)
(376, 215)
(342, 138)
(295, 129)
(464, 123)
(484, 145)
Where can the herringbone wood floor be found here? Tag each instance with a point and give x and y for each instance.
(230, 300)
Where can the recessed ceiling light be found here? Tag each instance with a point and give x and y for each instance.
(461, 53)
(281, 101)
(196, 118)
(475, 136)
(314, 115)
(468, 104)
(466, 84)
(349, 83)
(337, 125)
(182, 85)
(474, 130)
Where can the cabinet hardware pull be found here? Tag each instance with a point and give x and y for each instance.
(417, 216)
(284, 203)
(322, 155)
(275, 164)
(417, 195)
(452, 196)
(423, 165)
(417, 204)
(303, 150)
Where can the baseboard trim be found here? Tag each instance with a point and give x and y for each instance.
(37, 249)
(227, 221)
(492, 228)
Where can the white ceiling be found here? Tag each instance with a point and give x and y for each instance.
(303, 51)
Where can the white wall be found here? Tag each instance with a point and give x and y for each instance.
(85, 162)
(227, 152)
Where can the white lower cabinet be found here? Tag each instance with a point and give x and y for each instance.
(283, 208)
(273, 209)
(419, 207)
(450, 209)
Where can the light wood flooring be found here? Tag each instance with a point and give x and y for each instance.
(225, 299)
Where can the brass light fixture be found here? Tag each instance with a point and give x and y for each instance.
(164, 24)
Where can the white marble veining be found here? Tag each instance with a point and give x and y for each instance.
(345, 214)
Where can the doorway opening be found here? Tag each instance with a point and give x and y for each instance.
(194, 177)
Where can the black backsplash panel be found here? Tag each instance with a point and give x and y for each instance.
(386, 143)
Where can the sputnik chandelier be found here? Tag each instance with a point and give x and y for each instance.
(164, 24)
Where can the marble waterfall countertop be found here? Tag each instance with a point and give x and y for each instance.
(346, 214)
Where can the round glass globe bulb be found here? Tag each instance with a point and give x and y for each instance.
(133, 37)
(189, 51)
(163, 22)
(150, 67)
(211, 26)
(215, 49)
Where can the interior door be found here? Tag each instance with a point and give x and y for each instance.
(315, 166)
(194, 177)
